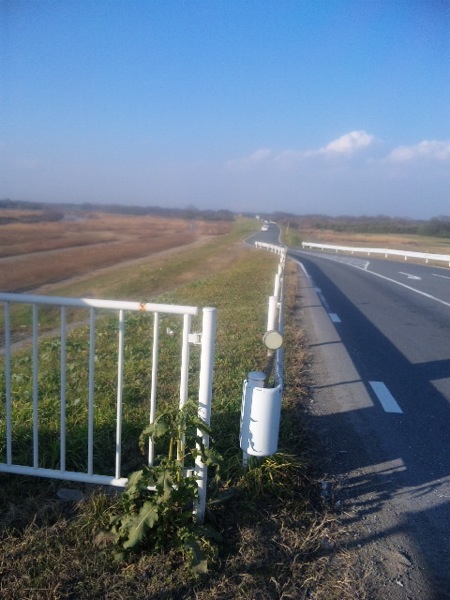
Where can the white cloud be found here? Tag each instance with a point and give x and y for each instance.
(349, 143)
(260, 155)
(346, 145)
(288, 159)
(427, 149)
(355, 155)
(255, 158)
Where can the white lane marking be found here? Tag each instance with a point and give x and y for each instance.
(304, 270)
(346, 260)
(409, 276)
(441, 276)
(322, 299)
(408, 287)
(334, 318)
(385, 397)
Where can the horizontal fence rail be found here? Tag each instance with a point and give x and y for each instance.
(29, 346)
(426, 256)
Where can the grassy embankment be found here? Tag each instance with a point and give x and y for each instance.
(277, 538)
(276, 535)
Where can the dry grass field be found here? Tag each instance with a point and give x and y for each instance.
(415, 243)
(39, 253)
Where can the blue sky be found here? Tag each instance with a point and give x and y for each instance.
(305, 106)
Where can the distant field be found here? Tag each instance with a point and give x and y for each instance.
(33, 254)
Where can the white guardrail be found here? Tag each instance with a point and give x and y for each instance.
(426, 256)
(280, 250)
(261, 402)
(9, 322)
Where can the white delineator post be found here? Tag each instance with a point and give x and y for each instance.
(254, 379)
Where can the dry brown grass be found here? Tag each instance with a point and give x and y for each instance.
(416, 243)
(34, 254)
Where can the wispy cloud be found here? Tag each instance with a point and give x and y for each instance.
(349, 143)
(357, 154)
(427, 149)
(345, 146)
(262, 155)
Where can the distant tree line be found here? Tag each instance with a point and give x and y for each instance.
(436, 227)
(189, 212)
(37, 212)
(57, 211)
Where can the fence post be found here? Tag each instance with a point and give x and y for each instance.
(204, 402)
(276, 289)
(272, 313)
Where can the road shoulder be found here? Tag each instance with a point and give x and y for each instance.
(356, 480)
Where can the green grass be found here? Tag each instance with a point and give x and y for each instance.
(241, 315)
(291, 237)
(271, 527)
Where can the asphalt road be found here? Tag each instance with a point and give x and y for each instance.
(271, 236)
(379, 332)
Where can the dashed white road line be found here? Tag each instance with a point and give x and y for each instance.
(334, 318)
(385, 397)
(410, 276)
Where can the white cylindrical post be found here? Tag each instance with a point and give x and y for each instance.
(254, 379)
(91, 379)
(8, 383)
(276, 288)
(119, 406)
(272, 313)
(260, 417)
(153, 387)
(62, 392)
(205, 401)
(35, 387)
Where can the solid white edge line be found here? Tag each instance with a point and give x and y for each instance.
(385, 397)
(408, 287)
(303, 269)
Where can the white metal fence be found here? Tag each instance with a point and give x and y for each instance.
(13, 331)
(426, 256)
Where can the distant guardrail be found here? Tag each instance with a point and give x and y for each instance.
(426, 256)
(280, 250)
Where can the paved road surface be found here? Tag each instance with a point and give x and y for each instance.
(271, 236)
(380, 335)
